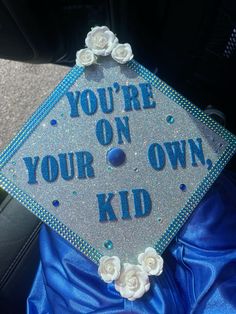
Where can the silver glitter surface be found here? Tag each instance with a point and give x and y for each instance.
(23, 87)
(78, 202)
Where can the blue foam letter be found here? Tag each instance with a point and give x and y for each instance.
(49, 168)
(142, 203)
(146, 90)
(105, 207)
(123, 129)
(124, 204)
(88, 102)
(73, 101)
(84, 164)
(130, 93)
(31, 167)
(103, 99)
(156, 156)
(176, 153)
(64, 166)
(196, 151)
(104, 132)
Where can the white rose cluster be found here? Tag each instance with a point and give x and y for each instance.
(131, 281)
(151, 262)
(122, 53)
(109, 268)
(85, 57)
(100, 41)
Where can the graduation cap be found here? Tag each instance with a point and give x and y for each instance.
(115, 161)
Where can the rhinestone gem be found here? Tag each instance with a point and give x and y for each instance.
(108, 244)
(53, 122)
(116, 156)
(170, 119)
(55, 203)
(183, 187)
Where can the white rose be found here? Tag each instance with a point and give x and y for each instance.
(151, 262)
(109, 268)
(85, 57)
(101, 40)
(122, 53)
(133, 282)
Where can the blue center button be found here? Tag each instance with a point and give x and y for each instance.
(116, 157)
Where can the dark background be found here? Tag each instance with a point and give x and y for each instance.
(189, 44)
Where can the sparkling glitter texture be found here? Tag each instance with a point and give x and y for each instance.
(78, 221)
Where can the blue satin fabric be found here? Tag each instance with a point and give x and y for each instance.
(199, 272)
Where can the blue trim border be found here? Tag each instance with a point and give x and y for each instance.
(53, 99)
(50, 220)
(16, 143)
(213, 173)
(40, 114)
